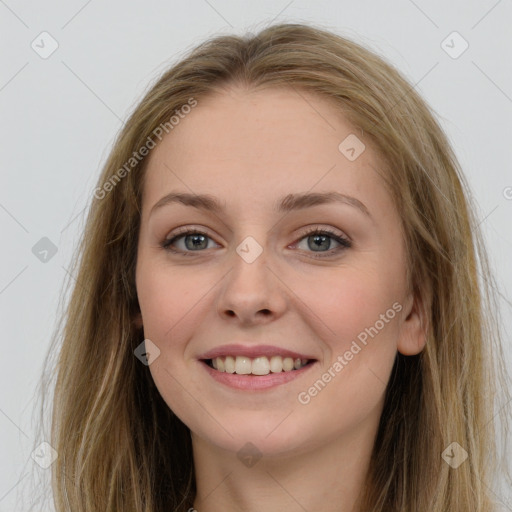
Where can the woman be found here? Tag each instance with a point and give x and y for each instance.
(215, 357)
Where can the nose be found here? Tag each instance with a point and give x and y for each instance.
(252, 292)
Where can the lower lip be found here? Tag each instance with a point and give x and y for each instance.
(256, 382)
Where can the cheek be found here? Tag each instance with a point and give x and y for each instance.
(362, 310)
(165, 297)
(352, 302)
(169, 300)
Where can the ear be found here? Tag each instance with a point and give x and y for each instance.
(414, 328)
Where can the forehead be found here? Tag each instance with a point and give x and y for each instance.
(252, 145)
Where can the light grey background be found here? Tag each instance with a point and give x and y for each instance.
(61, 114)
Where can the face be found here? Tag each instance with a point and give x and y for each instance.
(268, 276)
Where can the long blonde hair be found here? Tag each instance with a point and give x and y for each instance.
(120, 447)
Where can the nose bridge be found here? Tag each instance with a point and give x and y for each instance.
(250, 265)
(251, 286)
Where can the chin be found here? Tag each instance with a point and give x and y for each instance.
(263, 437)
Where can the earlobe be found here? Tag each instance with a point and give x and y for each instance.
(137, 320)
(414, 329)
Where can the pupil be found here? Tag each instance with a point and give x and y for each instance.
(317, 238)
(196, 241)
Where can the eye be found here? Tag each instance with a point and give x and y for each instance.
(316, 238)
(194, 240)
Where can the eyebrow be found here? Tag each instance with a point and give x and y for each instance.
(286, 204)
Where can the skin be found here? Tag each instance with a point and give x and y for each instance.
(249, 148)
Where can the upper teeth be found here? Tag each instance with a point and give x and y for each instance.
(257, 366)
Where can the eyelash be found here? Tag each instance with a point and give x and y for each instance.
(344, 242)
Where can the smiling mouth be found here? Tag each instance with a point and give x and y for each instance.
(256, 366)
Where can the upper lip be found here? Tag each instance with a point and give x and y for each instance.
(252, 351)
